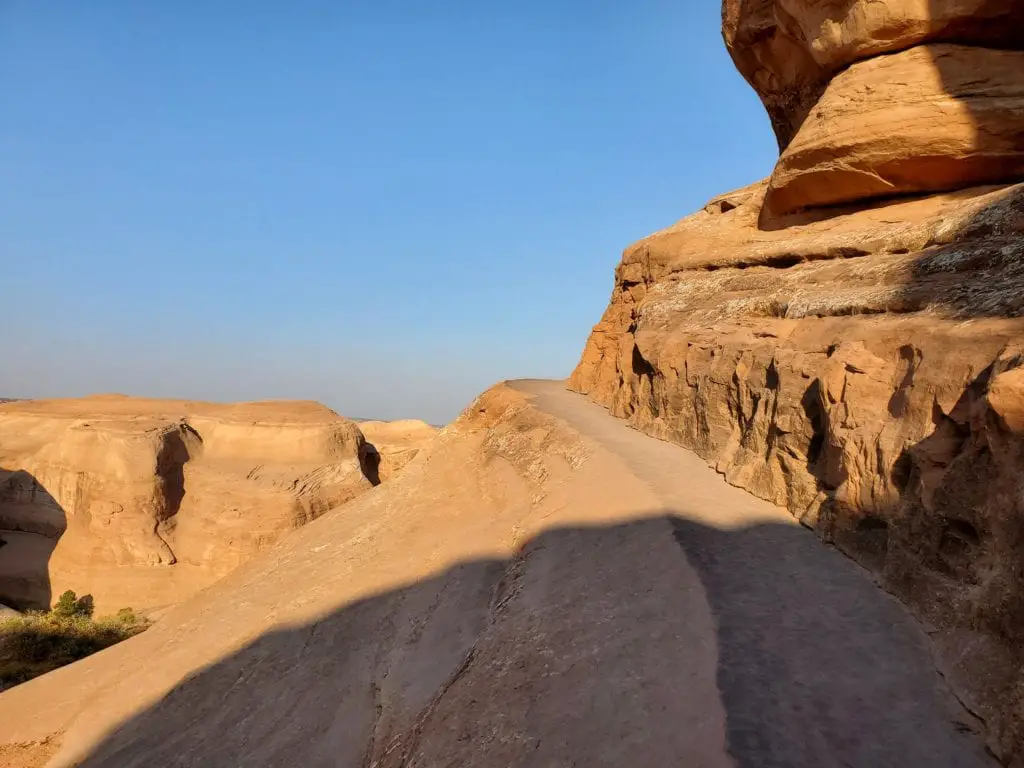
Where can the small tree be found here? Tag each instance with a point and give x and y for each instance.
(67, 605)
(70, 605)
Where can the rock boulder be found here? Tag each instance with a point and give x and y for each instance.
(933, 118)
(789, 50)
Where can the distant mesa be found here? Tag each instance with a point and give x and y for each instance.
(143, 502)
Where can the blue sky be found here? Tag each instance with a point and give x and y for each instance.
(385, 206)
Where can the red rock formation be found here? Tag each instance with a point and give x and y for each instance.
(789, 50)
(863, 371)
(933, 118)
(850, 356)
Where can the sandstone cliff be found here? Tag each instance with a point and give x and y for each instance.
(142, 502)
(860, 364)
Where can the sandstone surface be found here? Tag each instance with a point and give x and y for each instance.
(789, 50)
(397, 442)
(836, 342)
(143, 502)
(542, 586)
(930, 119)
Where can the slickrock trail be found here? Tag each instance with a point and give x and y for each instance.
(816, 665)
(544, 586)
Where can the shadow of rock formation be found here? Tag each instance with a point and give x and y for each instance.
(31, 523)
(757, 648)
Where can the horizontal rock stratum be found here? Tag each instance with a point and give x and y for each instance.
(141, 502)
(933, 118)
(789, 50)
(874, 100)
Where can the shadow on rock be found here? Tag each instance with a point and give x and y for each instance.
(31, 523)
(661, 642)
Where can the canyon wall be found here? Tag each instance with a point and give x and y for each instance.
(142, 502)
(846, 338)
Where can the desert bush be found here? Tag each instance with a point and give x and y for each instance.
(36, 643)
(69, 604)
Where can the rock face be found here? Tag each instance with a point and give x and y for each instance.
(141, 503)
(877, 100)
(866, 372)
(933, 118)
(789, 50)
(838, 348)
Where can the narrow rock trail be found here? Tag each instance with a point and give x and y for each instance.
(816, 666)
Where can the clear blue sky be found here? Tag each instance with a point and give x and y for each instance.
(385, 206)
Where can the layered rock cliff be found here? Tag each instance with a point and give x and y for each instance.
(141, 502)
(862, 365)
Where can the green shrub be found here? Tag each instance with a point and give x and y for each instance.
(69, 604)
(66, 604)
(36, 643)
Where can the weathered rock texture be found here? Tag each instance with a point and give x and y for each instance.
(142, 502)
(874, 100)
(789, 50)
(866, 372)
(933, 118)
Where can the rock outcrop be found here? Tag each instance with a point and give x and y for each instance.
(879, 100)
(397, 443)
(789, 50)
(854, 357)
(933, 118)
(142, 502)
(863, 371)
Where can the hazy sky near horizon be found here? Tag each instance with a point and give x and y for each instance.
(385, 206)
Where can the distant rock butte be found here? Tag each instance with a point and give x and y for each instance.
(143, 502)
